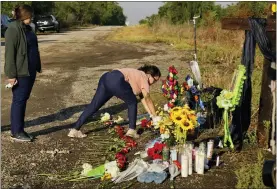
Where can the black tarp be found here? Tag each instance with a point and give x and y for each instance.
(256, 35)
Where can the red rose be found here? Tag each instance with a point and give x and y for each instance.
(172, 69)
(157, 156)
(119, 155)
(124, 150)
(131, 144)
(144, 122)
(120, 165)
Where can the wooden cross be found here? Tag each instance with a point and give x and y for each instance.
(265, 108)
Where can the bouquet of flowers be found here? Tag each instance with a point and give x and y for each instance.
(170, 87)
(156, 151)
(176, 123)
(228, 100)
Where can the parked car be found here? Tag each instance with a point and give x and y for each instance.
(5, 20)
(47, 22)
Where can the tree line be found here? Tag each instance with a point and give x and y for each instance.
(78, 12)
(209, 12)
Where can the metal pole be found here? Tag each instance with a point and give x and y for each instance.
(194, 25)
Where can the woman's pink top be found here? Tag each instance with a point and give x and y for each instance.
(137, 79)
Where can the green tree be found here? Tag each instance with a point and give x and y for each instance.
(247, 9)
(8, 6)
(180, 12)
(42, 7)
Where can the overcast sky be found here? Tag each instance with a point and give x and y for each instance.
(135, 11)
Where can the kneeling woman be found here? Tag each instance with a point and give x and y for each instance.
(125, 84)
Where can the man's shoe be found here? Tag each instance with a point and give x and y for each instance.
(74, 133)
(21, 137)
(132, 133)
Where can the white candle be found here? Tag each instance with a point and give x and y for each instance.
(210, 147)
(217, 161)
(201, 162)
(180, 152)
(184, 165)
(190, 161)
(196, 160)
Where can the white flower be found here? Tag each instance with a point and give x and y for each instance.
(226, 104)
(111, 168)
(166, 108)
(190, 82)
(119, 120)
(105, 117)
(165, 136)
(156, 126)
(86, 168)
(156, 120)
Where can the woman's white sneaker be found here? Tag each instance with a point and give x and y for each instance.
(73, 133)
(132, 133)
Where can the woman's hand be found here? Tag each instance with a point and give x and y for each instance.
(12, 81)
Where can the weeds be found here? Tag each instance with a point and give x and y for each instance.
(251, 137)
(218, 51)
(267, 125)
(250, 174)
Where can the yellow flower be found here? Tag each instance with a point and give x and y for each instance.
(180, 134)
(184, 114)
(175, 111)
(167, 121)
(162, 129)
(161, 113)
(186, 106)
(187, 125)
(106, 176)
(166, 131)
(177, 120)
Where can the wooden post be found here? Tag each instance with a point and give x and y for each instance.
(265, 108)
(266, 105)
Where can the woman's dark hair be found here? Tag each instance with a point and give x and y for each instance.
(23, 12)
(151, 69)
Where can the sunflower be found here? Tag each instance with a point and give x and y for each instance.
(186, 109)
(187, 125)
(178, 120)
(175, 111)
(184, 114)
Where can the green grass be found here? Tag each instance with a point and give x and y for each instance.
(249, 174)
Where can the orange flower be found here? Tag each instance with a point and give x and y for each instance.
(162, 130)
